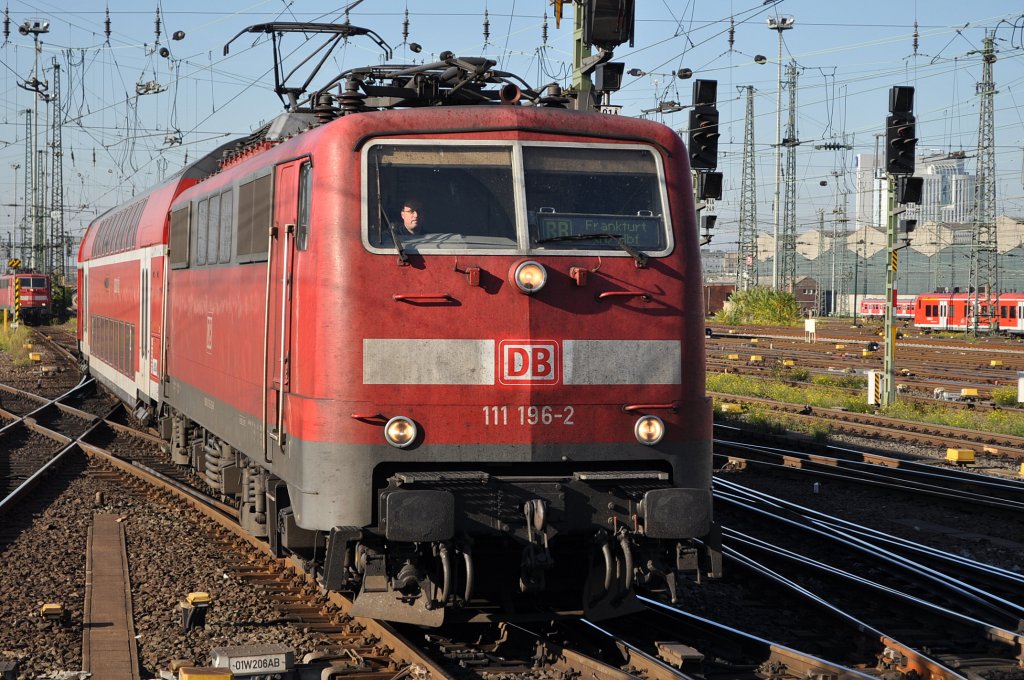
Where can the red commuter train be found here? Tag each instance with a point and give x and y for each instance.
(507, 405)
(873, 307)
(36, 305)
(954, 312)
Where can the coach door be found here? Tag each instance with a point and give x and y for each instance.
(943, 314)
(279, 313)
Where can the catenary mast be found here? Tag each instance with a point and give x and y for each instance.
(985, 254)
(747, 261)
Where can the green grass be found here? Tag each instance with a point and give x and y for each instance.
(1002, 421)
(824, 396)
(12, 341)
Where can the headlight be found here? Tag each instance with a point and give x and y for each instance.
(649, 430)
(530, 276)
(400, 431)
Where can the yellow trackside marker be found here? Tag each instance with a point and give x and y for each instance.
(35, 356)
(52, 611)
(732, 408)
(960, 455)
(198, 598)
(190, 672)
(995, 362)
(733, 357)
(969, 392)
(895, 260)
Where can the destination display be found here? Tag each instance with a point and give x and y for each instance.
(639, 231)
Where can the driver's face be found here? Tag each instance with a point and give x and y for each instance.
(410, 218)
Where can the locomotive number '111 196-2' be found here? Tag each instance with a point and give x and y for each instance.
(529, 415)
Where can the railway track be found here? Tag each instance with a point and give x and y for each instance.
(966, 628)
(132, 459)
(876, 426)
(369, 648)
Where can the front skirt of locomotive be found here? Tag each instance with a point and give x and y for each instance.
(582, 542)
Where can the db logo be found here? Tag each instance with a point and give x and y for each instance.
(528, 362)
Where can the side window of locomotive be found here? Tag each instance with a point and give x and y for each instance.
(464, 196)
(179, 238)
(213, 231)
(227, 226)
(575, 195)
(254, 211)
(302, 227)
(202, 229)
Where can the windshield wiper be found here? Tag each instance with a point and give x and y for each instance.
(402, 257)
(640, 258)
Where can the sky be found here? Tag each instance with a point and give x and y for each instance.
(131, 116)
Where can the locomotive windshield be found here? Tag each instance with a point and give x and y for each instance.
(462, 196)
(444, 197)
(593, 198)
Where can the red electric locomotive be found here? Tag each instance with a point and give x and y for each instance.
(499, 401)
(36, 296)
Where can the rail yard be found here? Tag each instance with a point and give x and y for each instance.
(864, 553)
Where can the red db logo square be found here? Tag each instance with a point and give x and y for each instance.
(522, 362)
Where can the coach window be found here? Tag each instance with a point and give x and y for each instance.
(179, 238)
(302, 226)
(466, 192)
(578, 197)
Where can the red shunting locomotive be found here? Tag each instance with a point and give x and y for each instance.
(501, 404)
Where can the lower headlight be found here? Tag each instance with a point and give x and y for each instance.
(400, 431)
(649, 430)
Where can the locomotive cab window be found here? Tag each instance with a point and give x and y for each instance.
(452, 197)
(594, 198)
(462, 197)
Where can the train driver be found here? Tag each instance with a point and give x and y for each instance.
(412, 213)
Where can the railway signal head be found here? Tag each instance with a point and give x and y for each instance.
(709, 185)
(703, 142)
(707, 225)
(909, 189)
(900, 144)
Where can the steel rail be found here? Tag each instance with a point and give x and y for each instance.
(809, 665)
(407, 655)
(880, 475)
(994, 633)
(882, 426)
(925, 666)
(1011, 579)
(942, 581)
